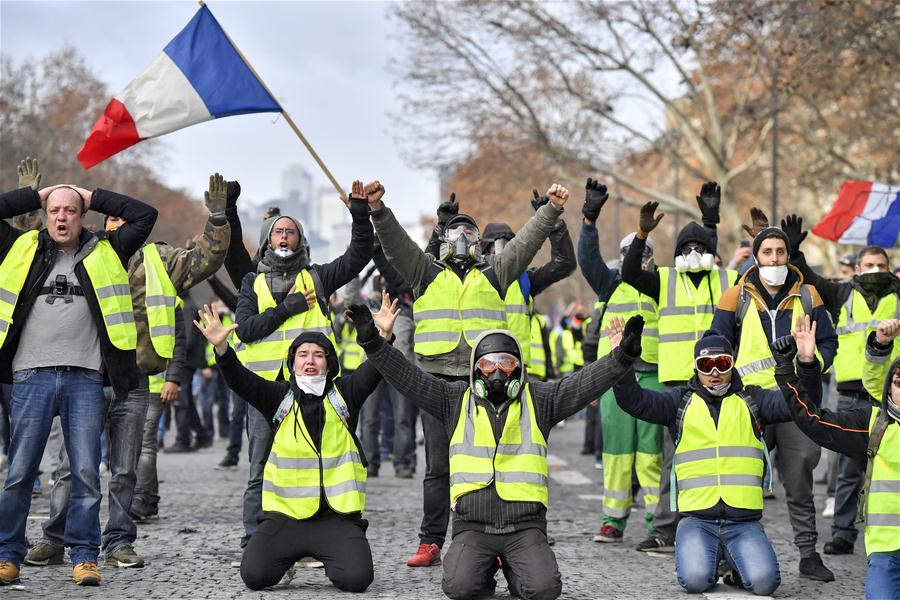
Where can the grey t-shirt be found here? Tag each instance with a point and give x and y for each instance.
(62, 333)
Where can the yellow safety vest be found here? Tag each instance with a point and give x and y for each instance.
(883, 499)
(854, 323)
(724, 461)
(297, 472)
(352, 354)
(156, 382)
(626, 302)
(537, 361)
(518, 318)
(108, 279)
(450, 310)
(685, 313)
(266, 356)
(517, 464)
(571, 353)
(160, 299)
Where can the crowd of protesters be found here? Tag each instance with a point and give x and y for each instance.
(324, 370)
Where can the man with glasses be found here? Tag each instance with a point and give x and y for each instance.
(457, 295)
(497, 422)
(719, 462)
(761, 308)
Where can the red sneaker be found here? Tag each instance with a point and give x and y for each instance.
(428, 555)
(609, 534)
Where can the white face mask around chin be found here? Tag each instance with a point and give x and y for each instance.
(718, 390)
(774, 275)
(311, 384)
(694, 262)
(284, 252)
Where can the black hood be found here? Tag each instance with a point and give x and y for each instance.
(692, 232)
(330, 354)
(494, 232)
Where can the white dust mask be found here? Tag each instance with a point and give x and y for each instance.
(694, 262)
(718, 390)
(774, 275)
(284, 252)
(311, 384)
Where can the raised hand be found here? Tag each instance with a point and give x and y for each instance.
(217, 195)
(448, 209)
(374, 192)
(558, 195)
(614, 331)
(29, 174)
(232, 193)
(386, 315)
(631, 335)
(358, 202)
(361, 317)
(805, 337)
(887, 330)
(595, 196)
(741, 253)
(649, 219)
(758, 220)
(537, 200)
(708, 201)
(793, 228)
(210, 325)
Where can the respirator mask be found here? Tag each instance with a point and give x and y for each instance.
(694, 258)
(497, 376)
(461, 243)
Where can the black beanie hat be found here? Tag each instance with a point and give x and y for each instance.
(712, 345)
(770, 232)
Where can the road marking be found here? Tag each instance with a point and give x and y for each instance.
(591, 496)
(555, 461)
(570, 478)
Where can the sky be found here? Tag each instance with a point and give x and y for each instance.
(325, 62)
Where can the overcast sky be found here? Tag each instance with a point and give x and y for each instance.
(326, 63)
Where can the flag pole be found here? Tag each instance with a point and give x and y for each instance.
(285, 114)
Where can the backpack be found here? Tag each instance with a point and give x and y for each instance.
(744, 301)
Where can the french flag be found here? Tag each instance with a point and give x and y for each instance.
(199, 76)
(866, 213)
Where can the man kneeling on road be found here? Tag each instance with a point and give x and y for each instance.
(498, 423)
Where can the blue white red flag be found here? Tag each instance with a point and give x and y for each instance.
(199, 76)
(866, 213)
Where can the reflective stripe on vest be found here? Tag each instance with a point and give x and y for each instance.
(537, 361)
(626, 302)
(13, 272)
(685, 313)
(517, 464)
(267, 355)
(450, 310)
(161, 298)
(296, 473)
(883, 499)
(352, 354)
(518, 318)
(854, 323)
(723, 461)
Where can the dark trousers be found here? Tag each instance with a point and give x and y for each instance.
(279, 541)
(187, 419)
(237, 428)
(850, 478)
(529, 565)
(593, 442)
(401, 427)
(436, 485)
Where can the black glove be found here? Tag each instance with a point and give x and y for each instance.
(595, 196)
(361, 317)
(793, 228)
(447, 210)
(648, 220)
(708, 201)
(537, 200)
(784, 349)
(631, 336)
(231, 194)
(295, 303)
(359, 208)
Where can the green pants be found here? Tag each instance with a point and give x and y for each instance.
(629, 443)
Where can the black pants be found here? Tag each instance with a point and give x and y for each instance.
(436, 485)
(279, 541)
(529, 565)
(187, 419)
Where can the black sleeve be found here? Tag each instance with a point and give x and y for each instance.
(845, 431)
(341, 270)
(434, 242)
(12, 204)
(175, 368)
(359, 385)
(562, 260)
(393, 281)
(591, 339)
(590, 260)
(223, 292)
(139, 220)
(646, 282)
(262, 394)
(648, 405)
(832, 293)
(253, 325)
(237, 260)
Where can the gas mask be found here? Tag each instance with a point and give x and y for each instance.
(499, 245)
(461, 244)
(773, 274)
(497, 377)
(694, 258)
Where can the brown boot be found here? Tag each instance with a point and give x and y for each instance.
(86, 573)
(9, 573)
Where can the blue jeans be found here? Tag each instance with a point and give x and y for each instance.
(883, 577)
(5, 394)
(261, 436)
(701, 543)
(146, 489)
(125, 421)
(38, 395)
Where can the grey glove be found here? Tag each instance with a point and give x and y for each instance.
(217, 196)
(29, 175)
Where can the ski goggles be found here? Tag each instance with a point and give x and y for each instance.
(504, 361)
(720, 362)
(453, 233)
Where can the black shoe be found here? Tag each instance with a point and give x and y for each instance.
(403, 472)
(230, 460)
(654, 544)
(178, 449)
(372, 470)
(838, 546)
(811, 567)
(585, 450)
(200, 444)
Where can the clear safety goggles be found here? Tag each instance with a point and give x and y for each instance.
(453, 233)
(504, 361)
(722, 363)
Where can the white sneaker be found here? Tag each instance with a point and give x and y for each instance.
(309, 563)
(828, 511)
